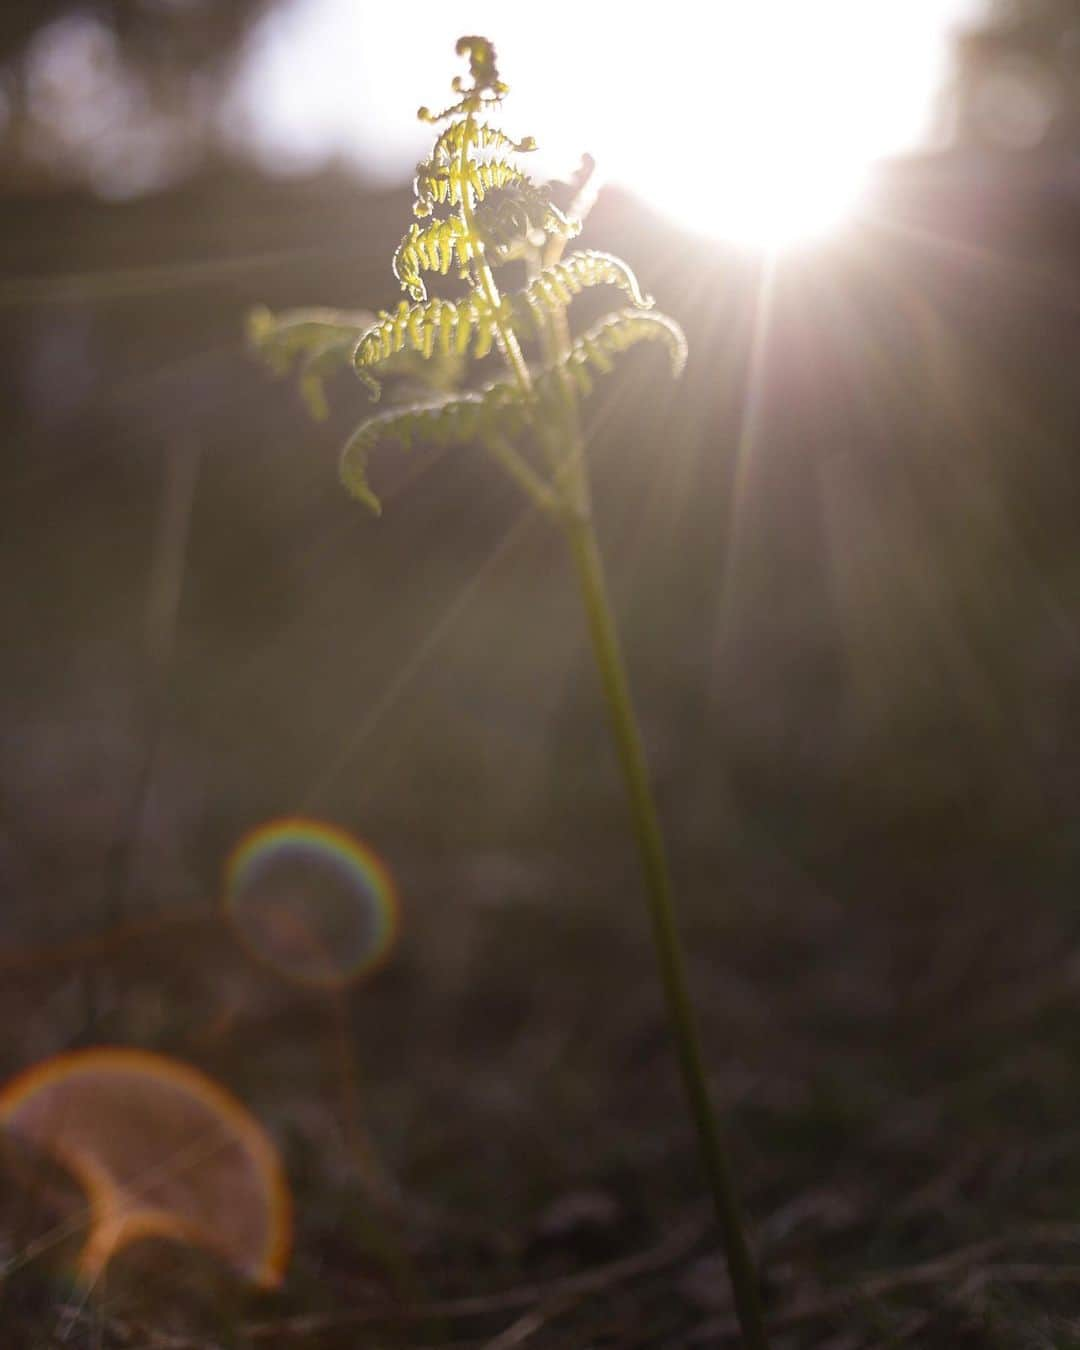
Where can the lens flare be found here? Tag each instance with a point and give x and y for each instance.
(160, 1150)
(311, 901)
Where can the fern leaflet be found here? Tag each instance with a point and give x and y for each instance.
(494, 410)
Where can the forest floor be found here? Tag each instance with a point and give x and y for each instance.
(505, 1160)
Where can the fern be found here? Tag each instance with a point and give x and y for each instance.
(431, 248)
(441, 326)
(478, 416)
(322, 340)
(556, 286)
(477, 210)
(596, 349)
(446, 185)
(446, 326)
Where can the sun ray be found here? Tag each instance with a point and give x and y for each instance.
(156, 278)
(738, 531)
(415, 663)
(1034, 279)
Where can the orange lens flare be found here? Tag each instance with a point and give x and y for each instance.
(160, 1149)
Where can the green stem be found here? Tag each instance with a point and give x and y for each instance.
(571, 490)
(522, 472)
(624, 725)
(511, 346)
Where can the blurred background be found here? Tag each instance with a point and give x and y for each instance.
(843, 548)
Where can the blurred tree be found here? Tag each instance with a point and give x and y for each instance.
(121, 95)
(1017, 80)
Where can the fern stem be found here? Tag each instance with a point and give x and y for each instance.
(511, 347)
(624, 726)
(522, 473)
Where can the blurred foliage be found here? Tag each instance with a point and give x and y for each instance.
(178, 32)
(1054, 14)
(117, 94)
(1017, 76)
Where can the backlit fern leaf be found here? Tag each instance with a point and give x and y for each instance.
(443, 326)
(448, 143)
(445, 184)
(321, 339)
(506, 219)
(493, 213)
(556, 286)
(595, 349)
(281, 338)
(319, 363)
(491, 138)
(481, 135)
(496, 409)
(431, 248)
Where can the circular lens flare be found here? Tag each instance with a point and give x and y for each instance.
(160, 1150)
(312, 902)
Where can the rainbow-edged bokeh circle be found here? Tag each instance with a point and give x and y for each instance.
(311, 901)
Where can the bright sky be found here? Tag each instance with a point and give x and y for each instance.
(752, 119)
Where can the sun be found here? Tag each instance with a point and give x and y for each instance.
(760, 124)
(756, 123)
(769, 195)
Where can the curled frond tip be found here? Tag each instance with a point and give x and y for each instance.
(486, 86)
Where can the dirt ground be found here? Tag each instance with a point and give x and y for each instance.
(507, 1161)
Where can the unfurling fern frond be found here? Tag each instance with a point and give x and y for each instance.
(556, 286)
(596, 348)
(476, 210)
(446, 153)
(495, 410)
(431, 248)
(446, 184)
(436, 325)
(487, 137)
(487, 88)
